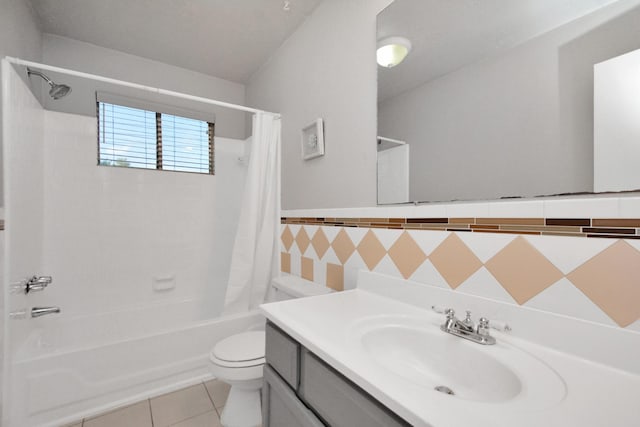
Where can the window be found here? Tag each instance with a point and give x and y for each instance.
(137, 138)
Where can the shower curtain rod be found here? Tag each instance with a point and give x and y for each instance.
(19, 61)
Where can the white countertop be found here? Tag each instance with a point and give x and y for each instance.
(596, 395)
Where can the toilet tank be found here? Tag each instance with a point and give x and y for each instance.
(289, 287)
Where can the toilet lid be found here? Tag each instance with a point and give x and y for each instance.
(241, 347)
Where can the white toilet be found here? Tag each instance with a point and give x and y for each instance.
(238, 359)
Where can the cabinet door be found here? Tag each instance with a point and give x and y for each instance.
(281, 407)
(282, 353)
(338, 401)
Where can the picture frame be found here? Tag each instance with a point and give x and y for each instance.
(312, 142)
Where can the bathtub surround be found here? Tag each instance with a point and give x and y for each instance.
(23, 134)
(531, 262)
(108, 235)
(144, 226)
(254, 259)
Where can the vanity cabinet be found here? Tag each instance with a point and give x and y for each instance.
(301, 390)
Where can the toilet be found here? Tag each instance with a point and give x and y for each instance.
(238, 360)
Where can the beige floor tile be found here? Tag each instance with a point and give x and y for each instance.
(136, 415)
(208, 419)
(76, 424)
(219, 391)
(180, 405)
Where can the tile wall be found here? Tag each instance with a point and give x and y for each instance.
(530, 262)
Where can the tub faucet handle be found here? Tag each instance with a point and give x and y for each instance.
(43, 311)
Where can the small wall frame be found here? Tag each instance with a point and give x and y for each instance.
(312, 142)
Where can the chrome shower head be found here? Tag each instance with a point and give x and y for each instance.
(57, 91)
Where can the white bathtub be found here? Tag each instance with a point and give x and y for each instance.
(70, 369)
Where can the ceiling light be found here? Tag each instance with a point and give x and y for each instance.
(392, 51)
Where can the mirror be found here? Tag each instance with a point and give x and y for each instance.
(495, 98)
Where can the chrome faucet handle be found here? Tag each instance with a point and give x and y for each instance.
(43, 311)
(37, 283)
(467, 320)
(450, 313)
(483, 327)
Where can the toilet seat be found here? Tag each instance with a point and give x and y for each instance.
(239, 357)
(243, 350)
(239, 348)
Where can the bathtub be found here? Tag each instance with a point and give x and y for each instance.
(73, 368)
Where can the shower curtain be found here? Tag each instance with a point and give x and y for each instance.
(255, 251)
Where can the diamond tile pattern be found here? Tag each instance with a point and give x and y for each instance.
(454, 261)
(603, 276)
(343, 246)
(302, 240)
(611, 280)
(287, 238)
(522, 270)
(371, 250)
(306, 266)
(335, 276)
(285, 262)
(406, 255)
(320, 243)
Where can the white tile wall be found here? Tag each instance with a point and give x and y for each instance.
(108, 232)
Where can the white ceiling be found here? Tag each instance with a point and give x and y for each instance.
(229, 39)
(449, 34)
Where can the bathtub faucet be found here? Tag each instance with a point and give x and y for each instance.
(43, 311)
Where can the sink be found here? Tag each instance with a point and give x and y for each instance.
(420, 353)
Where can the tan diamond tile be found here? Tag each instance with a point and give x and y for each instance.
(320, 243)
(307, 268)
(454, 260)
(610, 280)
(371, 250)
(335, 276)
(343, 246)
(285, 262)
(287, 238)
(302, 239)
(406, 255)
(522, 270)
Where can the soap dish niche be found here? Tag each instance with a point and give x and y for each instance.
(164, 283)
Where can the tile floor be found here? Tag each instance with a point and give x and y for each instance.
(199, 405)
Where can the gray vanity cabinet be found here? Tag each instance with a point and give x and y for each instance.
(301, 390)
(281, 407)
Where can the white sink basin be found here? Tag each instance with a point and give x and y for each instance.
(420, 353)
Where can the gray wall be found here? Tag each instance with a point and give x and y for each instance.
(326, 69)
(20, 37)
(519, 124)
(80, 56)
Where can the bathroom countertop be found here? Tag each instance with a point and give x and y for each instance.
(596, 394)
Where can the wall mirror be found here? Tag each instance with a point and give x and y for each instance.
(495, 98)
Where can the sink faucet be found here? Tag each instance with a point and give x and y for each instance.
(466, 329)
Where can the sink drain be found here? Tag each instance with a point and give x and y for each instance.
(444, 389)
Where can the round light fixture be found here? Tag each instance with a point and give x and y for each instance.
(392, 51)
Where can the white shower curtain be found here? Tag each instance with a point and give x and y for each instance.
(255, 251)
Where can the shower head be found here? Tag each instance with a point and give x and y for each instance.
(57, 91)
